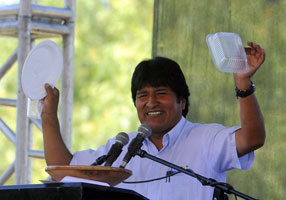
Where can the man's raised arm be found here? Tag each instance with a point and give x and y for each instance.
(56, 152)
(251, 136)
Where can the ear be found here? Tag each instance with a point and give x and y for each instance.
(183, 103)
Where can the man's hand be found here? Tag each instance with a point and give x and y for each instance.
(255, 58)
(51, 101)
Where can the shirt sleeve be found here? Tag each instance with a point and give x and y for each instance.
(222, 153)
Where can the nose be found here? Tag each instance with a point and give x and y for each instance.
(152, 101)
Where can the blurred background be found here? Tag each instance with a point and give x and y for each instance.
(112, 36)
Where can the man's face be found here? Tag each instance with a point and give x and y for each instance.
(159, 107)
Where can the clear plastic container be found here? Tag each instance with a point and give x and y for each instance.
(34, 109)
(227, 52)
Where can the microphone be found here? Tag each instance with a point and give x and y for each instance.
(143, 131)
(120, 140)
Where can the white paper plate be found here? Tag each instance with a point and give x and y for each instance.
(43, 64)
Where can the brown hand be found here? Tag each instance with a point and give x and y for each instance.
(255, 58)
(50, 102)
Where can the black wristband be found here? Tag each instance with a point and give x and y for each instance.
(245, 93)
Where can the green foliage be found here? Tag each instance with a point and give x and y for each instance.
(111, 37)
(114, 37)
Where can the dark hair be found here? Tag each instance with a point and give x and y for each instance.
(161, 71)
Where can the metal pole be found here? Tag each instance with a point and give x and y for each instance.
(7, 131)
(46, 22)
(8, 64)
(8, 102)
(22, 165)
(155, 28)
(67, 78)
(7, 173)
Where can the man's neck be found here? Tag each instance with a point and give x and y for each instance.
(157, 137)
(157, 140)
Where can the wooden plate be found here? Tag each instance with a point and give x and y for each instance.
(110, 175)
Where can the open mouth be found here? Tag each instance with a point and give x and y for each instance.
(154, 113)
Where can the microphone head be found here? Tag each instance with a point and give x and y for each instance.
(144, 130)
(122, 138)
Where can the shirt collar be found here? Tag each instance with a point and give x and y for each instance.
(170, 137)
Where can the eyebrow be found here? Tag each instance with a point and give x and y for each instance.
(141, 92)
(162, 89)
(158, 89)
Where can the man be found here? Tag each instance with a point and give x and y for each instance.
(160, 95)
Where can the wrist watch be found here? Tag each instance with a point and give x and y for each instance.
(245, 93)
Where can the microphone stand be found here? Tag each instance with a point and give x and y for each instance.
(100, 160)
(222, 187)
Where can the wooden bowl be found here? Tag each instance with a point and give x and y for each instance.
(110, 175)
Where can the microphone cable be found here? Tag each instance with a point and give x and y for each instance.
(172, 173)
(168, 175)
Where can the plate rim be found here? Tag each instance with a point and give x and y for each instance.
(58, 56)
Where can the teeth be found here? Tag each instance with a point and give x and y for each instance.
(154, 113)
